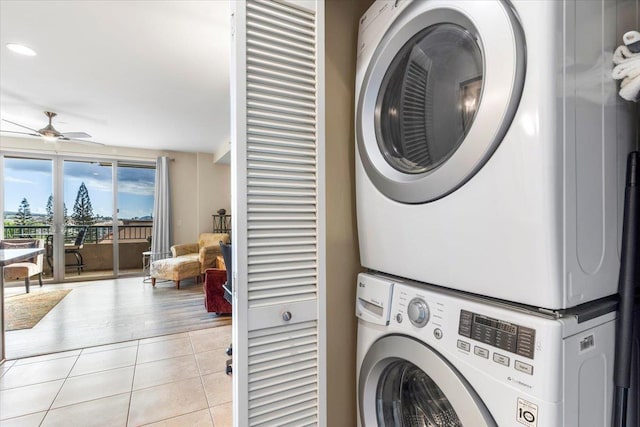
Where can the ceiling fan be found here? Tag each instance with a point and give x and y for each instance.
(50, 134)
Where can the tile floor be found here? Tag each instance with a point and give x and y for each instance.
(171, 380)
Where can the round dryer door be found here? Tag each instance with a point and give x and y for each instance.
(405, 383)
(439, 94)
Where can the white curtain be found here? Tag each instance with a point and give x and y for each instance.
(162, 239)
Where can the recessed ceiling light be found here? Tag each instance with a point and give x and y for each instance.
(21, 49)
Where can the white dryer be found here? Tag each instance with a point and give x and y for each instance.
(428, 356)
(491, 145)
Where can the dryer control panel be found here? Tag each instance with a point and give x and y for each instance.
(498, 333)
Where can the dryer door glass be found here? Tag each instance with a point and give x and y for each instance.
(428, 98)
(404, 382)
(408, 397)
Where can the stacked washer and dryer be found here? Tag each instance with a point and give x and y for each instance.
(490, 178)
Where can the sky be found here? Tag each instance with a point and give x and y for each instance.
(33, 179)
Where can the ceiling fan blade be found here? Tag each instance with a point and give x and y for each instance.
(22, 126)
(79, 141)
(21, 133)
(73, 135)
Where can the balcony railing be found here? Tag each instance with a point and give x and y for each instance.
(98, 244)
(95, 233)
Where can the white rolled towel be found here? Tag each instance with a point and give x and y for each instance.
(627, 67)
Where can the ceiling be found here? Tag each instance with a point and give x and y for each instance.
(143, 74)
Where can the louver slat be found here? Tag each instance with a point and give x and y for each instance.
(283, 374)
(282, 217)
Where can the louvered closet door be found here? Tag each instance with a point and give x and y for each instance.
(278, 208)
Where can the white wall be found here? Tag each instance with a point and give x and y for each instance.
(198, 186)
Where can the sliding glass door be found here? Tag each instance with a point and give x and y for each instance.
(86, 236)
(28, 203)
(135, 209)
(93, 216)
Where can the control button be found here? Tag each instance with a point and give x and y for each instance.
(523, 367)
(437, 332)
(463, 345)
(418, 312)
(501, 359)
(482, 352)
(399, 317)
(464, 327)
(526, 342)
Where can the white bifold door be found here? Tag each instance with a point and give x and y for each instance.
(277, 140)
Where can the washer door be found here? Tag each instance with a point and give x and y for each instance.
(404, 383)
(438, 96)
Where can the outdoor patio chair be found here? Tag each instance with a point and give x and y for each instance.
(75, 249)
(26, 269)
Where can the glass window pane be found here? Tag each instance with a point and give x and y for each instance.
(136, 185)
(28, 203)
(88, 200)
(428, 98)
(407, 396)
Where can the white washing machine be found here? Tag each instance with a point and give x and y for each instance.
(491, 145)
(428, 356)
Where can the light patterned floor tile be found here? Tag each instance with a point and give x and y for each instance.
(45, 357)
(5, 367)
(30, 399)
(94, 386)
(166, 401)
(222, 415)
(164, 350)
(173, 385)
(164, 338)
(31, 420)
(226, 329)
(212, 339)
(195, 419)
(212, 361)
(105, 360)
(109, 411)
(37, 372)
(165, 371)
(107, 347)
(218, 388)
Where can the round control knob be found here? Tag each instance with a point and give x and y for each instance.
(418, 312)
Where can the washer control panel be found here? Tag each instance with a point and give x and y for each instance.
(498, 333)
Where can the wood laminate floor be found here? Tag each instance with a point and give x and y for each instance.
(111, 311)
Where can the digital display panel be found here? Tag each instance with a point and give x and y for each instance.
(496, 324)
(498, 333)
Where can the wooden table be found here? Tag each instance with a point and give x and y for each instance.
(11, 256)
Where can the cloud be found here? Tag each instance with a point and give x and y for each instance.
(136, 188)
(28, 165)
(98, 177)
(18, 180)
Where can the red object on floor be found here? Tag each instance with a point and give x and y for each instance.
(214, 300)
